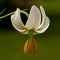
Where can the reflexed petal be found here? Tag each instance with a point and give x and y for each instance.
(34, 19)
(17, 22)
(43, 27)
(45, 22)
(42, 12)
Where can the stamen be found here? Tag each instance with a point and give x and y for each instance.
(30, 45)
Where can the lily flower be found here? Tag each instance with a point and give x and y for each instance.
(37, 22)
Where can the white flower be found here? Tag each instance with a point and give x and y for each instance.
(37, 21)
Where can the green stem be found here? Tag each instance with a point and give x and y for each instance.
(25, 9)
(3, 11)
(24, 13)
(6, 15)
(13, 13)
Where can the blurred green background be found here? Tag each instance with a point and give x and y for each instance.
(12, 42)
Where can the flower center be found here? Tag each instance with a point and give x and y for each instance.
(30, 36)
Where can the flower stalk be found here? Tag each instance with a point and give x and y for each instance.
(23, 12)
(2, 11)
(6, 15)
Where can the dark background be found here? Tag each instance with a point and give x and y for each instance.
(12, 42)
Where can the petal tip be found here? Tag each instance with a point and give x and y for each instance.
(41, 6)
(17, 10)
(34, 6)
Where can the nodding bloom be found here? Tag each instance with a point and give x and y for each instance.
(37, 23)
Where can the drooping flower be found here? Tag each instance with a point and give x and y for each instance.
(37, 23)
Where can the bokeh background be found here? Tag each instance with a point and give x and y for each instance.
(12, 42)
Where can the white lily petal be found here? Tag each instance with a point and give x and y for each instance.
(43, 27)
(42, 12)
(34, 19)
(17, 22)
(45, 22)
